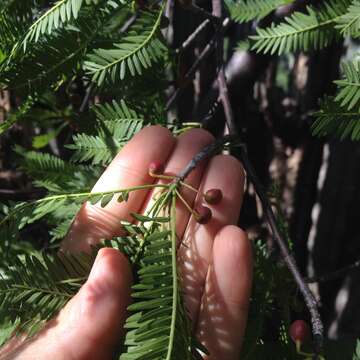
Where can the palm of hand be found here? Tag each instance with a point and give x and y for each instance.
(214, 259)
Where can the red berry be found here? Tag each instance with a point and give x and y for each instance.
(299, 331)
(202, 214)
(213, 196)
(155, 167)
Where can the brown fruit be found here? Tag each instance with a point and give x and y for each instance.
(202, 214)
(213, 196)
(299, 331)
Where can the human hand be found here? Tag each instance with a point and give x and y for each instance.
(214, 259)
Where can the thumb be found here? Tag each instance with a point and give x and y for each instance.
(91, 324)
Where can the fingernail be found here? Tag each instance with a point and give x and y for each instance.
(96, 290)
(97, 271)
(96, 268)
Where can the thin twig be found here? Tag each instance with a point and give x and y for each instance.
(86, 98)
(129, 23)
(210, 115)
(224, 97)
(200, 11)
(190, 74)
(193, 36)
(223, 90)
(205, 153)
(311, 303)
(309, 298)
(335, 274)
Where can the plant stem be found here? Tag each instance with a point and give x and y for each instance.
(289, 260)
(198, 10)
(223, 90)
(129, 23)
(187, 43)
(174, 275)
(335, 274)
(203, 55)
(184, 202)
(309, 298)
(205, 153)
(154, 211)
(79, 195)
(189, 75)
(189, 187)
(86, 99)
(84, 194)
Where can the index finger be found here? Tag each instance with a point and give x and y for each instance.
(129, 168)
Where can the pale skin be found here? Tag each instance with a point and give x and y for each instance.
(214, 259)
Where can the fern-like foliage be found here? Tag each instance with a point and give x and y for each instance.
(339, 116)
(117, 124)
(37, 286)
(15, 18)
(137, 51)
(268, 298)
(55, 174)
(17, 115)
(58, 176)
(59, 14)
(11, 29)
(24, 213)
(159, 327)
(349, 87)
(20, 9)
(58, 55)
(312, 30)
(333, 119)
(349, 23)
(243, 11)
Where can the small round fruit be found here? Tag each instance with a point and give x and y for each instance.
(202, 214)
(155, 167)
(299, 331)
(213, 196)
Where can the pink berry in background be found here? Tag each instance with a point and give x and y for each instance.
(155, 167)
(299, 331)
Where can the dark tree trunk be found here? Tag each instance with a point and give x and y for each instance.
(337, 239)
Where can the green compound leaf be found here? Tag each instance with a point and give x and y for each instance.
(243, 11)
(348, 95)
(312, 30)
(116, 124)
(138, 51)
(57, 16)
(37, 286)
(333, 119)
(159, 327)
(349, 23)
